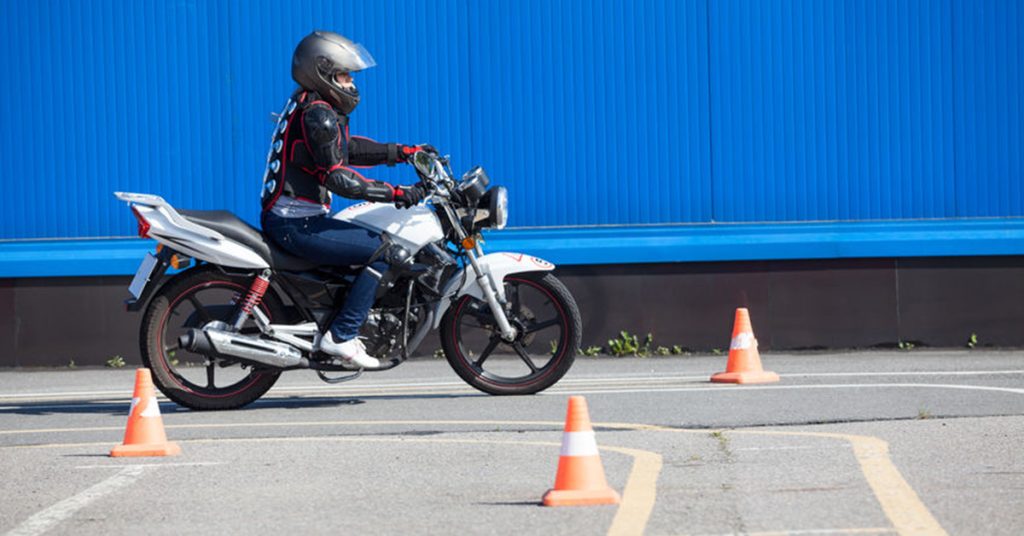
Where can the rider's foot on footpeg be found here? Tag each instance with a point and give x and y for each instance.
(352, 351)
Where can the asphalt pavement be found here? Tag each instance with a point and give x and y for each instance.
(924, 442)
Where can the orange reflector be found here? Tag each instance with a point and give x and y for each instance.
(159, 247)
(177, 262)
(469, 242)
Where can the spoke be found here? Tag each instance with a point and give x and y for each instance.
(210, 367)
(203, 313)
(524, 356)
(487, 351)
(532, 328)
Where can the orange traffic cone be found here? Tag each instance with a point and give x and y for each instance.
(744, 361)
(144, 435)
(580, 478)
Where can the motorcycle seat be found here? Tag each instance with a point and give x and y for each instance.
(236, 229)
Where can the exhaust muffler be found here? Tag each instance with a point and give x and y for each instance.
(244, 348)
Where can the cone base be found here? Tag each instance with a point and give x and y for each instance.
(157, 449)
(574, 497)
(763, 376)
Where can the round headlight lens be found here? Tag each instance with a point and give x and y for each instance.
(499, 207)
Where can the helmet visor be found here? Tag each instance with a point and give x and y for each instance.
(360, 59)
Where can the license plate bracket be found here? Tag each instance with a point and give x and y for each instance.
(142, 276)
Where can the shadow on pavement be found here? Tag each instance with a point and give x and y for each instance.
(121, 407)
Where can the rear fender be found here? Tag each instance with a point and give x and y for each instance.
(499, 265)
(170, 228)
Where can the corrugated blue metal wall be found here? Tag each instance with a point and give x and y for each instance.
(592, 112)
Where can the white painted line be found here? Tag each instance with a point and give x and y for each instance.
(902, 373)
(745, 388)
(845, 447)
(559, 390)
(811, 532)
(119, 466)
(566, 381)
(52, 516)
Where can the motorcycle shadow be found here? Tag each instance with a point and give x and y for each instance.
(298, 402)
(122, 407)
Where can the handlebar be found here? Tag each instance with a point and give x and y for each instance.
(432, 170)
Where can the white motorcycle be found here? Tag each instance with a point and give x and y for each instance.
(219, 333)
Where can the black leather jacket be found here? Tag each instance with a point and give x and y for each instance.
(311, 151)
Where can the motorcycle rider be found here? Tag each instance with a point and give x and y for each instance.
(311, 157)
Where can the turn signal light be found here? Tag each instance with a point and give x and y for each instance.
(469, 242)
(177, 261)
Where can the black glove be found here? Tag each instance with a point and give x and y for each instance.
(405, 152)
(407, 196)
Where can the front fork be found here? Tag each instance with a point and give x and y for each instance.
(495, 297)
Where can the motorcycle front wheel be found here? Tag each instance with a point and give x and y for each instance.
(549, 328)
(190, 300)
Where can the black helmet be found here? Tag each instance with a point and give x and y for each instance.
(322, 55)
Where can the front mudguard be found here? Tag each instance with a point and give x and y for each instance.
(498, 265)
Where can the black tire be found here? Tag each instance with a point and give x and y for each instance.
(549, 328)
(208, 293)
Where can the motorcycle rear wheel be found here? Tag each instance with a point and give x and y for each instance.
(190, 300)
(549, 330)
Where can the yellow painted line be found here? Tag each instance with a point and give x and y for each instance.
(897, 498)
(899, 501)
(638, 495)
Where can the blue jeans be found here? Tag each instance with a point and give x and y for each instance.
(334, 243)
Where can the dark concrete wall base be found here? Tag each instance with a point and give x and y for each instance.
(848, 303)
(844, 303)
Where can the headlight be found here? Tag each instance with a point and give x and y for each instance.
(496, 200)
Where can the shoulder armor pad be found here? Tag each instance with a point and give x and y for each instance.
(321, 124)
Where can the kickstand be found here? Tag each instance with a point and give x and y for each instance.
(339, 379)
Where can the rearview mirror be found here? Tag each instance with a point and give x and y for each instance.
(424, 163)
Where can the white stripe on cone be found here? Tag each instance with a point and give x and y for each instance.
(579, 444)
(743, 341)
(152, 408)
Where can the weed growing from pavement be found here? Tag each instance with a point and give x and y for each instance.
(905, 345)
(116, 362)
(923, 414)
(972, 341)
(628, 344)
(625, 344)
(723, 443)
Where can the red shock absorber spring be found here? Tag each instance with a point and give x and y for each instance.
(255, 294)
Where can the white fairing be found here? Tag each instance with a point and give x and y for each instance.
(168, 227)
(414, 227)
(498, 265)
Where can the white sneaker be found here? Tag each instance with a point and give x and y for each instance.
(353, 351)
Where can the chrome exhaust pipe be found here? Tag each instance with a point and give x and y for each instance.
(243, 348)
